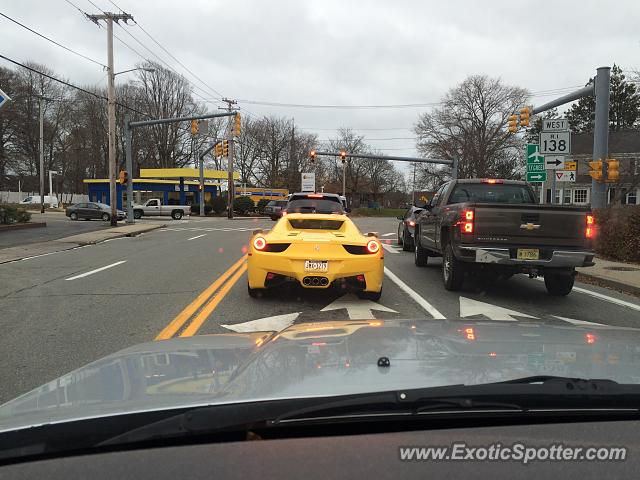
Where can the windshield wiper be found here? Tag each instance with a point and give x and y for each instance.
(520, 397)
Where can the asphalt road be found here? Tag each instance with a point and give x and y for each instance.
(61, 311)
(58, 226)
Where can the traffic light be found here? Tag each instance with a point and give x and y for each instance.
(123, 177)
(218, 149)
(343, 156)
(613, 174)
(237, 125)
(513, 123)
(194, 127)
(596, 169)
(312, 156)
(525, 113)
(225, 148)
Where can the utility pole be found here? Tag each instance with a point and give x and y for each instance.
(601, 135)
(41, 155)
(230, 187)
(111, 104)
(413, 188)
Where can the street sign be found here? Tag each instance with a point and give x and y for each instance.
(535, 167)
(565, 176)
(555, 125)
(570, 165)
(554, 162)
(536, 176)
(309, 182)
(555, 143)
(4, 98)
(533, 156)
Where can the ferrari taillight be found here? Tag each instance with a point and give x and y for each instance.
(259, 243)
(373, 246)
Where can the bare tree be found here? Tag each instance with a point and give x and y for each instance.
(470, 126)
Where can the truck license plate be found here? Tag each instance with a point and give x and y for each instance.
(316, 265)
(528, 254)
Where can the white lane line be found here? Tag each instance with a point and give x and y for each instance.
(42, 255)
(435, 313)
(389, 248)
(388, 234)
(197, 236)
(607, 298)
(96, 270)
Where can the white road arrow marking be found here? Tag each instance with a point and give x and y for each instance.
(388, 234)
(275, 323)
(470, 307)
(389, 248)
(357, 309)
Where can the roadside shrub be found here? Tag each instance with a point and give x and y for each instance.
(261, 204)
(243, 204)
(618, 234)
(219, 204)
(12, 214)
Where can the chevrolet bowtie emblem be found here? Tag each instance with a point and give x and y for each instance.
(529, 226)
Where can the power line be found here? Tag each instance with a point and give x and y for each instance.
(52, 41)
(71, 85)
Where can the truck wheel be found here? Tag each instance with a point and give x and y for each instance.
(420, 255)
(558, 285)
(176, 214)
(137, 214)
(400, 239)
(105, 217)
(452, 270)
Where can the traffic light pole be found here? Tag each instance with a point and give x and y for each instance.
(600, 129)
(128, 134)
(129, 126)
(601, 136)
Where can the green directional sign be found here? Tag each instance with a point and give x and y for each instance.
(535, 167)
(533, 155)
(536, 176)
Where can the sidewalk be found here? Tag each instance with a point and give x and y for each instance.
(12, 254)
(616, 275)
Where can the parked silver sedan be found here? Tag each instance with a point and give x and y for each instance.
(92, 210)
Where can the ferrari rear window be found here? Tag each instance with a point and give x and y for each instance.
(312, 224)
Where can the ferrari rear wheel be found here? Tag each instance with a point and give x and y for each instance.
(375, 296)
(255, 292)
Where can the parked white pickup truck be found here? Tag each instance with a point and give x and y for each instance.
(154, 207)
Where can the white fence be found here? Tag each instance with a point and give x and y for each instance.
(66, 198)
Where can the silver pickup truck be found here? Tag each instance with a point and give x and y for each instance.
(153, 207)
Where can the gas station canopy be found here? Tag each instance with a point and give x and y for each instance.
(185, 173)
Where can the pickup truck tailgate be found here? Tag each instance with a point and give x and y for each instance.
(530, 224)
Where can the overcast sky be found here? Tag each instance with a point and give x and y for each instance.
(339, 52)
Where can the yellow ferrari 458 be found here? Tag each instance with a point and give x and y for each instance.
(317, 251)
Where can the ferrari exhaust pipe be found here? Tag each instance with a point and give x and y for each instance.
(315, 281)
(306, 281)
(324, 281)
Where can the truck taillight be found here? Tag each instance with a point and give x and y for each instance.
(466, 225)
(590, 230)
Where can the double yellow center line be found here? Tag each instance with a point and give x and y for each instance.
(199, 310)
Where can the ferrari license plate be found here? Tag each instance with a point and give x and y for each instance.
(528, 254)
(316, 265)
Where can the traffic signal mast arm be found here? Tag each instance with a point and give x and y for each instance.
(314, 154)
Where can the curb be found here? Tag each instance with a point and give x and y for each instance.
(60, 245)
(614, 284)
(22, 226)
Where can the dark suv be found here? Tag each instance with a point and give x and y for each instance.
(314, 203)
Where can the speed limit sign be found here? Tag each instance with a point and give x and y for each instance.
(555, 143)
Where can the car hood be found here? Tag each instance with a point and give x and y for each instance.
(324, 359)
